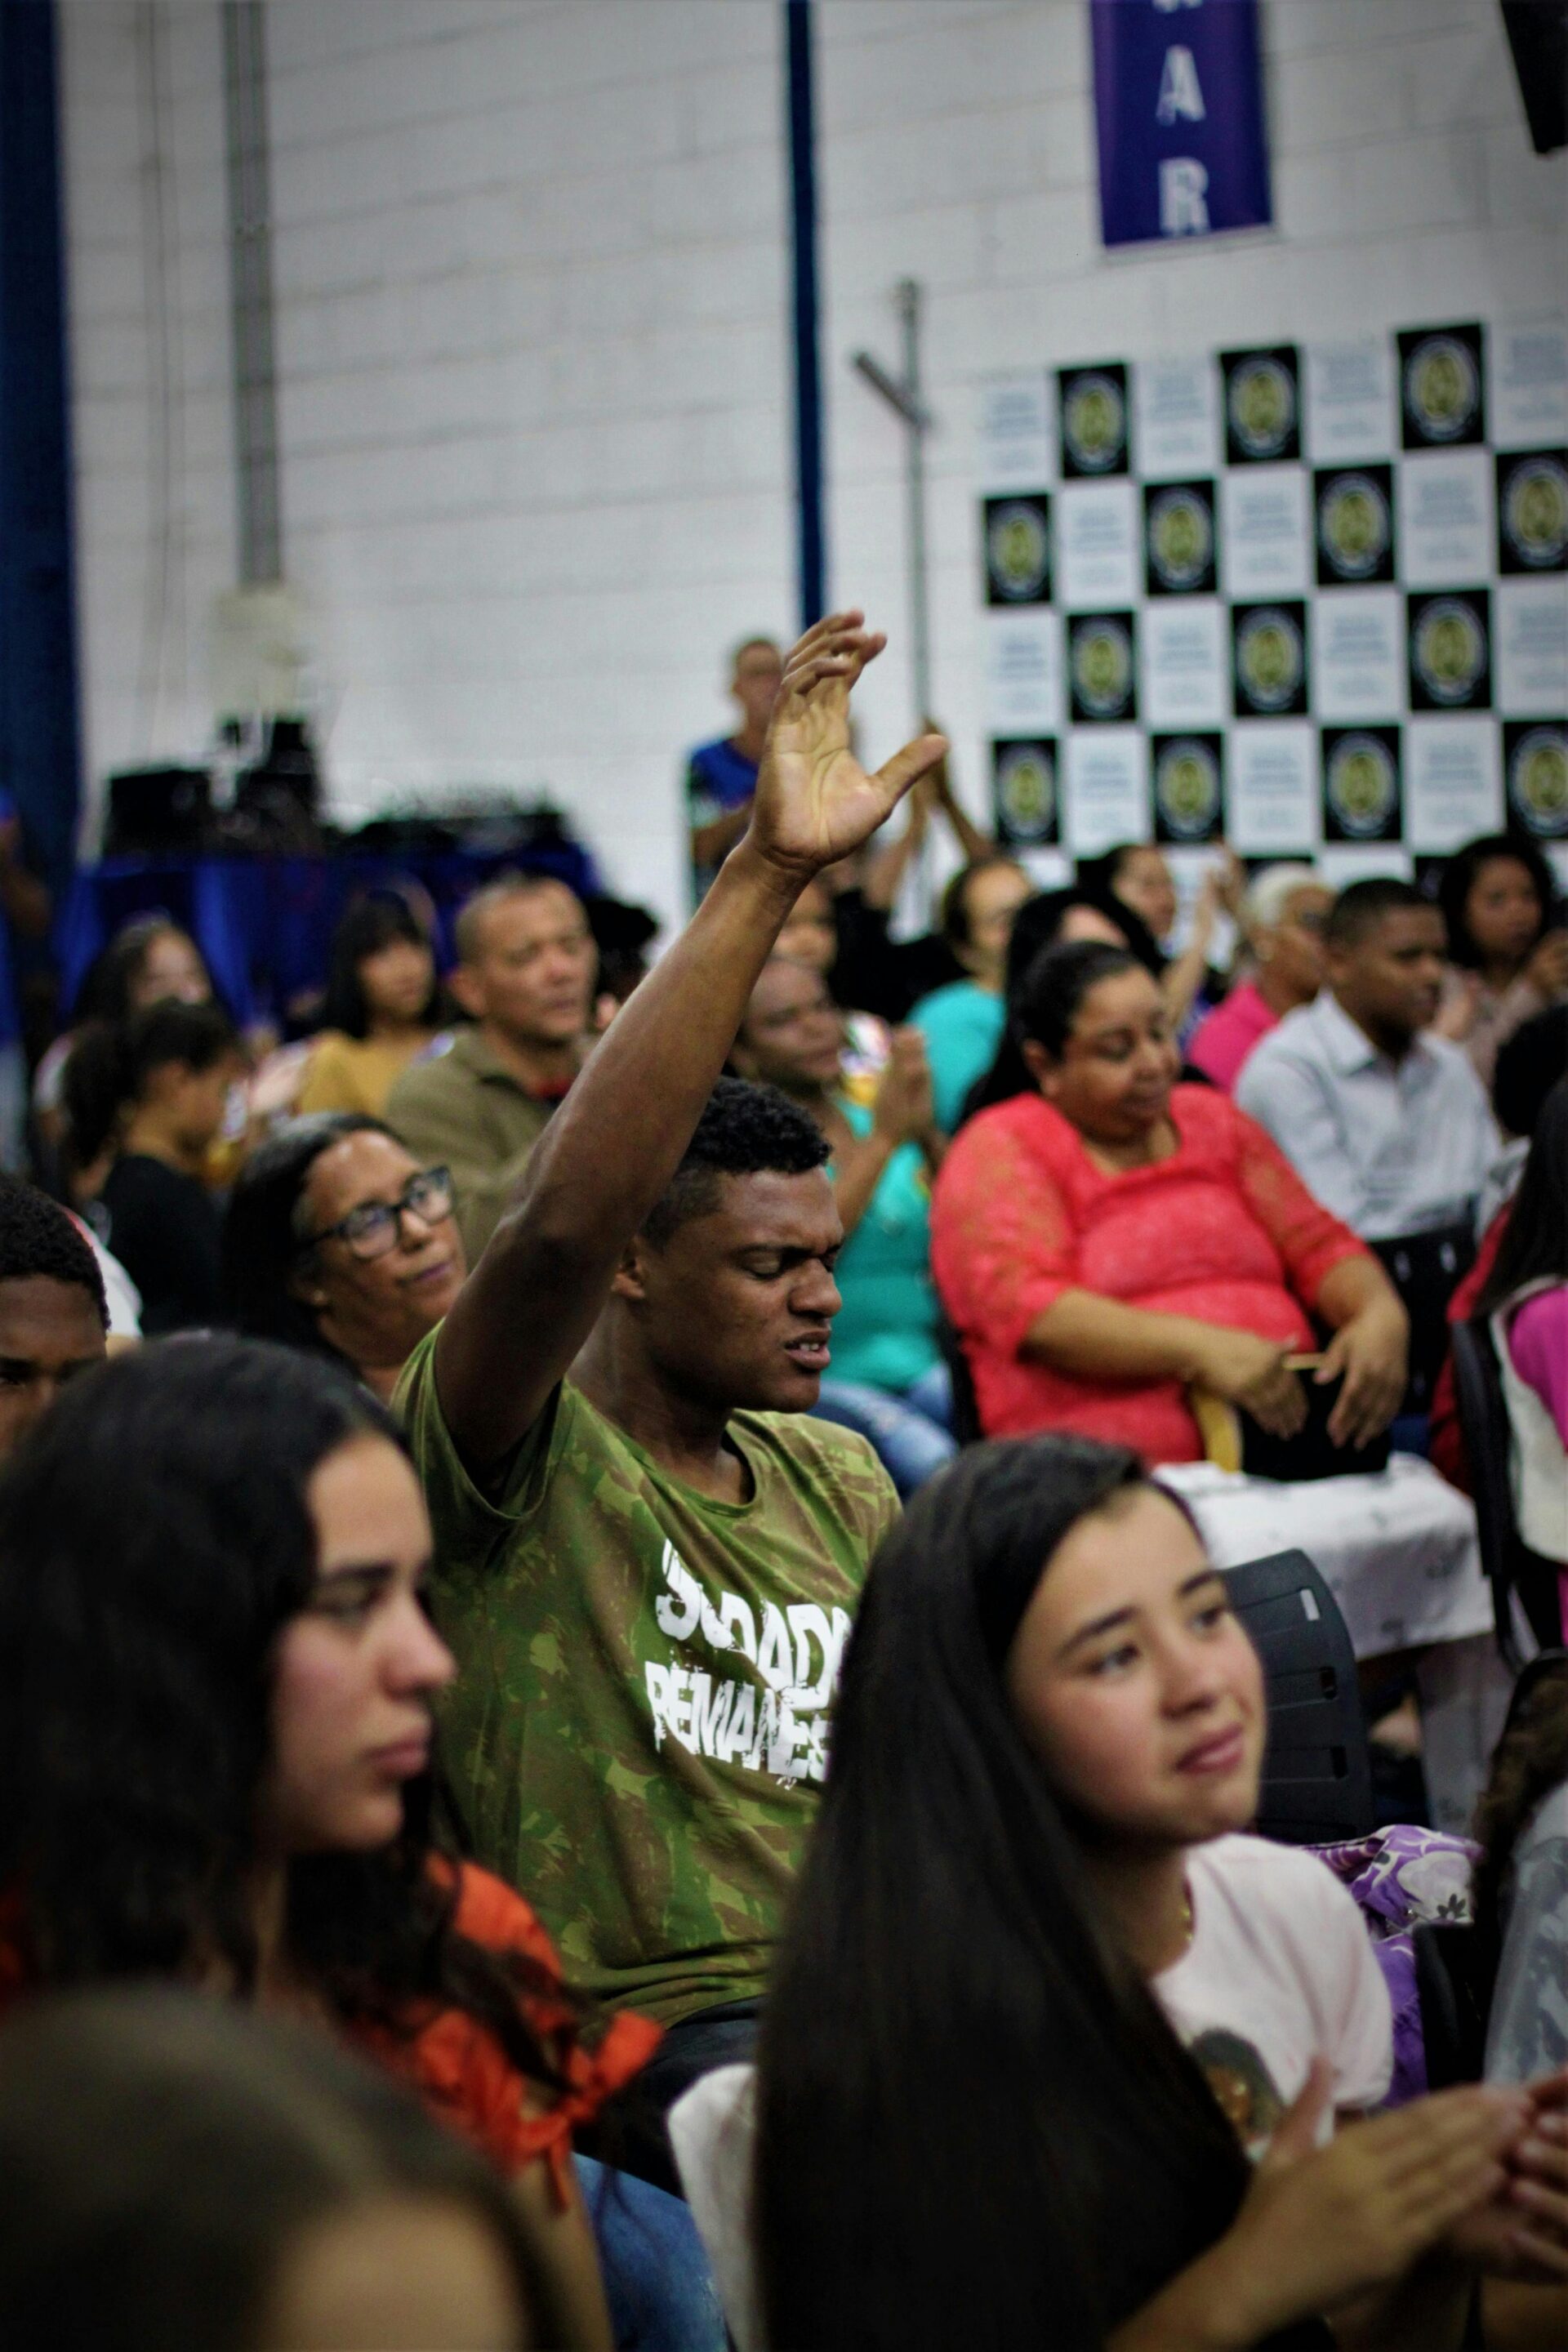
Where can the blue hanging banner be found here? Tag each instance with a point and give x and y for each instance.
(1178, 101)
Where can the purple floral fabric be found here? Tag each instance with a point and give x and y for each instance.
(1401, 1877)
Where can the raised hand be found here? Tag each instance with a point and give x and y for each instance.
(904, 1108)
(814, 804)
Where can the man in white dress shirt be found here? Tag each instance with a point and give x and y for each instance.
(1386, 1124)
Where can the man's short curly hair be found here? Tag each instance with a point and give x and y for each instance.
(745, 1130)
(37, 1237)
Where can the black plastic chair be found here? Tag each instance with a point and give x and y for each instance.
(1317, 1771)
(1456, 1974)
(1507, 1561)
(965, 1412)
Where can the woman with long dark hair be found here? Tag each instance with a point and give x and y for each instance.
(338, 1242)
(383, 1006)
(1067, 917)
(1037, 1991)
(1508, 950)
(1525, 1301)
(217, 1677)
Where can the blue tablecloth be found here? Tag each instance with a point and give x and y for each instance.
(265, 925)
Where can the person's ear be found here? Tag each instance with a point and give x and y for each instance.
(1045, 1071)
(468, 990)
(304, 1283)
(743, 1061)
(630, 1279)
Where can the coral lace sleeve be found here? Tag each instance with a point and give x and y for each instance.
(1308, 1237)
(1004, 1246)
(464, 2075)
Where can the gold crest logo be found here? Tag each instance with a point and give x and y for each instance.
(1443, 387)
(1362, 786)
(1262, 404)
(1187, 788)
(1535, 513)
(1103, 668)
(1269, 658)
(1027, 791)
(1538, 779)
(1181, 539)
(1354, 527)
(1094, 423)
(1450, 650)
(1019, 549)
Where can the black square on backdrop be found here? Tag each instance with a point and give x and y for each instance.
(1179, 541)
(1102, 666)
(1535, 776)
(1442, 387)
(1448, 640)
(1018, 549)
(1189, 788)
(1025, 804)
(1262, 406)
(1362, 800)
(1533, 511)
(1269, 659)
(1093, 421)
(1353, 522)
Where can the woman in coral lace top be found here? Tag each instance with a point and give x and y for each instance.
(1112, 1239)
(215, 1685)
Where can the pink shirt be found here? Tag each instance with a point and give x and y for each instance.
(1538, 1345)
(1224, 1231)
(1224, 1038)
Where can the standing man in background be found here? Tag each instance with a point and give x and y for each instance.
(722, 777)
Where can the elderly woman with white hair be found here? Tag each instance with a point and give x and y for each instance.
(1282, 919)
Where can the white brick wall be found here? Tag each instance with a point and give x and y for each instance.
(532, 279)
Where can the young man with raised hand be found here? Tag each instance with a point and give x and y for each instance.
(647, 1559)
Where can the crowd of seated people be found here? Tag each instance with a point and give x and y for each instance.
(526, 1614)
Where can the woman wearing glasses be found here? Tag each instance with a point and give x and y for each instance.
(337, 1241)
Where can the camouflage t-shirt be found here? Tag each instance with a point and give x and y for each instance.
(638, 1728)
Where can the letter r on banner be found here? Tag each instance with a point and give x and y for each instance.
(1184, 197)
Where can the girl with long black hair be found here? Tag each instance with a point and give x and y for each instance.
(978, 2123)
(383, 1006)
(216, 1675)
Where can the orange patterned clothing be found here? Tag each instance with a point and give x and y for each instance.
(453, 2062)
(1223, 1230)
(463, 2074)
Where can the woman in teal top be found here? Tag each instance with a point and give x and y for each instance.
(962, 1023)
(888, 1380)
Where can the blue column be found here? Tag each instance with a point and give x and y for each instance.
(39, 749)
(812, 552)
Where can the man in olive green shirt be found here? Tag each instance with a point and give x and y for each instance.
(648, 1570)
(526, 962)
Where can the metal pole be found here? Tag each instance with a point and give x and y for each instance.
(908, 297)
(250, 263)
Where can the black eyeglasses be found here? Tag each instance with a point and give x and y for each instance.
(376, 1227)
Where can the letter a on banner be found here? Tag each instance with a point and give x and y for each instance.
(1178, 103)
